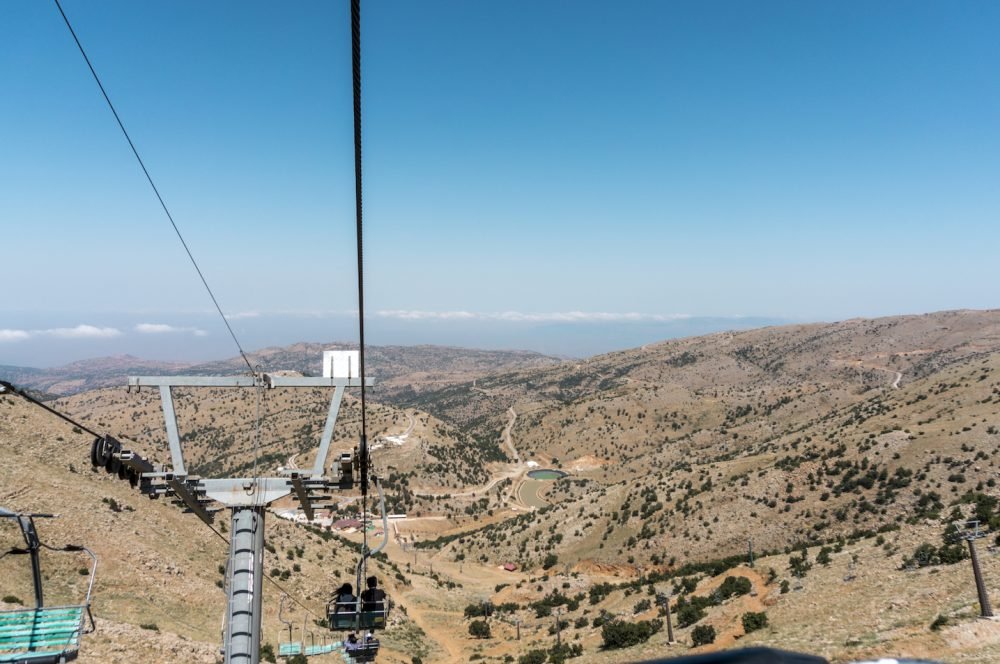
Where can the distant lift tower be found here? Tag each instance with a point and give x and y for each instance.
(970, 532)
(247, 497)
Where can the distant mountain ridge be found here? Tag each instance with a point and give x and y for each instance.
(390, 365)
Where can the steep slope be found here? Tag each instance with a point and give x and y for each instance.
(158, 594)
(690, 448)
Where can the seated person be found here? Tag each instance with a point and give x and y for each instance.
(373, 599)
(344, 599)
(352, 643)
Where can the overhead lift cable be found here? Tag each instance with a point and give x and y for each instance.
(363, 452)
(156, 191)
(27, 397)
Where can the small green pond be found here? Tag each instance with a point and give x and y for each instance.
(546, 474)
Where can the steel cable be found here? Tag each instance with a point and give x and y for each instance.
(156, 191)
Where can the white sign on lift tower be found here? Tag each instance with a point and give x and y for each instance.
(341, 364)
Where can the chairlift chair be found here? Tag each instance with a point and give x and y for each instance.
(363, 652)
(44, 634)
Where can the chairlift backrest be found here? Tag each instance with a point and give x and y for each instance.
(41, 635)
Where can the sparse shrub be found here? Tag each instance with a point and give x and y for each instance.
(153, 627)
(688, 613)
(621, 634)
(267, 653)
(480, 629)
(925, 554)
(13, 599)
(733, 586)
(533, 657)
(938, 623)
(702, 635)
(752, 621)
(799, 565)
(560, 653)
(479, 610)
(784, 586)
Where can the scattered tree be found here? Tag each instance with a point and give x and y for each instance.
(702, 635)
(752, 621)
(480, 629)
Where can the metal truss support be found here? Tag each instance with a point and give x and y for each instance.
(246, 577)
(247, 497)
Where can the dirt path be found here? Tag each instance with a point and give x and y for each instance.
(510, 473)
(507, 438)
(444, 637)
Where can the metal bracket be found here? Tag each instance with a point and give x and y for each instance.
(181, 490)
(303, 495)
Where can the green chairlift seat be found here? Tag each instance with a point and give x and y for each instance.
(289, 649)
(350, 616)
(294, 648)
(50, 634)
(44, 634)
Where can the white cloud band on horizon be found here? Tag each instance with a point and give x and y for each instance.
(78, 332)
(522, 317)
(163, 328)
(14, 335)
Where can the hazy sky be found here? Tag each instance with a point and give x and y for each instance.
(526, 163)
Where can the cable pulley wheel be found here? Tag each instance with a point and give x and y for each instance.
(102, 452)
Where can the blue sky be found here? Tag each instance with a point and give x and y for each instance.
(526, 164)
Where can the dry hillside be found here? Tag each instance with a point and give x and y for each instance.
(843, 451)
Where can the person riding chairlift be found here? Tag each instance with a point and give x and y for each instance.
(373, 599)
(345, 600)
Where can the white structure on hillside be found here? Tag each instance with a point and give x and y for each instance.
(341, 364)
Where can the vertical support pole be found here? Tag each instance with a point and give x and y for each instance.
(986, 611)
(31, 541)
(665, 602)
(246, 576)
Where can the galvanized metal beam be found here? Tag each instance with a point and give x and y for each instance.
(319, 466)
(303, 496)
(182, 491)
(173, 438)
(246, 491)
(245, 381)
